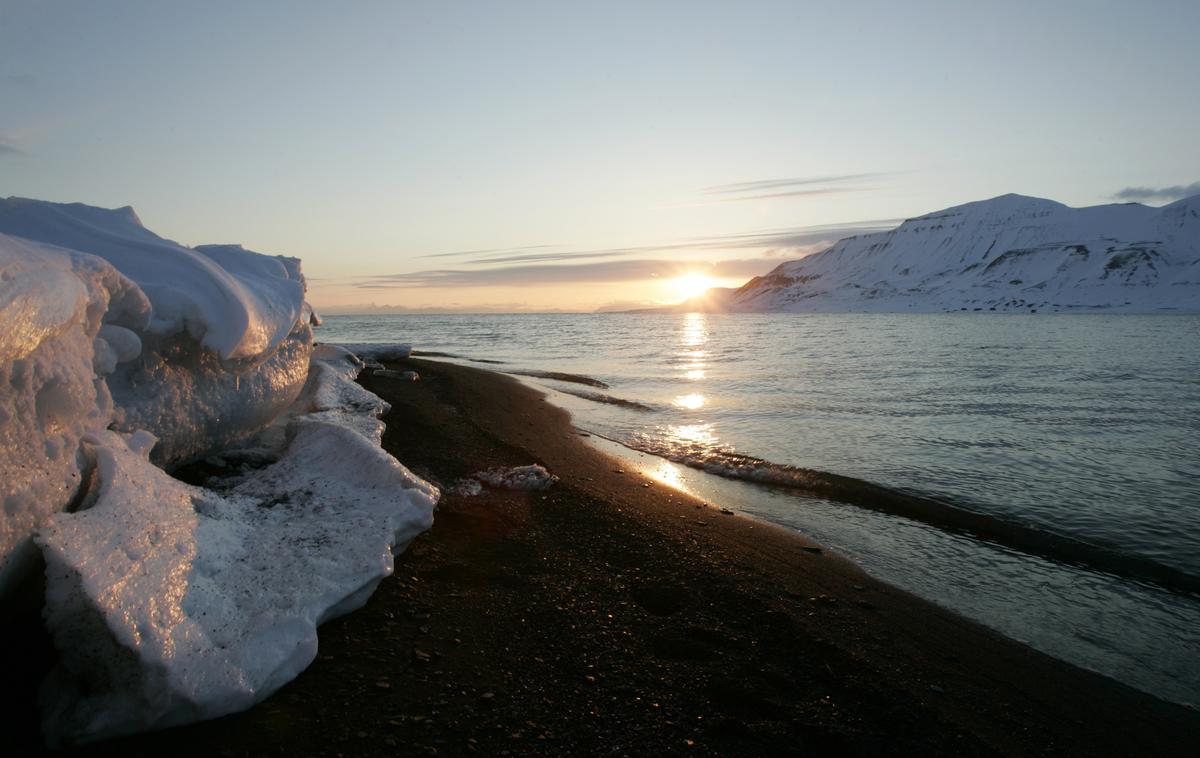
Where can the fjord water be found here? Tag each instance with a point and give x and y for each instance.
(1076, 432)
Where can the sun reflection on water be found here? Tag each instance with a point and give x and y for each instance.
(694, 434)
(692, 337)
(692, 402)
(695, 330)
(669, 474)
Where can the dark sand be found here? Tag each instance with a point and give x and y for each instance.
(612, 615)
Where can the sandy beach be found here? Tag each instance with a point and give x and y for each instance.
(614, 615)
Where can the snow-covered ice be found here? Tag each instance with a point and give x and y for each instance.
(404, 376)
(532, 477)
(56, 308)
(172, 603)
(379, 351)
(123, 352)
(467, 488)
(223, 347)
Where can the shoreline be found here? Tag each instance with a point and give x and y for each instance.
(613, 613)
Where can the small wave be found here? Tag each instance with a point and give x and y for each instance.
(436, 354)
(600, 397)
(562, 377)
(922, 508)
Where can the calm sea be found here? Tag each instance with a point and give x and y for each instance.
(1038, 473)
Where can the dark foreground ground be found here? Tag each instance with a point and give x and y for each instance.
(612, 615)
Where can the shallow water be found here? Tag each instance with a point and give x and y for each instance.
(1079, 430)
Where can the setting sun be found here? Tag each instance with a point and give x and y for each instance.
(688, 286)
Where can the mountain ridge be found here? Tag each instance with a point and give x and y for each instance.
(1011, 253)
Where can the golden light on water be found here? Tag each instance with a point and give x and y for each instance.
(693, 334)
(669, 474)
(695, 434)
(694, 331)
(692, 402)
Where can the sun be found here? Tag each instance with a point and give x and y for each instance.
(691, 285)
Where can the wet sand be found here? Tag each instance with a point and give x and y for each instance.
(614, 615)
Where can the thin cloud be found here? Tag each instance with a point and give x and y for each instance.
(796, 193)
(798, 237)
(15, 141)
(535, 257)
(772, 184)
(485, 251)
(1167, 194)
(807, 186)
(534, 275)
(638, 262)
(802, 236)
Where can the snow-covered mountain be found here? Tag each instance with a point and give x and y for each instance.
(1010, 253)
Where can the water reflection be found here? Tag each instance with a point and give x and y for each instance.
(693, 335)
(692, 355)
(695, 435)
(695, 330)
(692, 402)
(669, 474)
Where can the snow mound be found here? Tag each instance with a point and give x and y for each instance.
(222, 348)
(171, 603)
(532, 477)
(237, 303)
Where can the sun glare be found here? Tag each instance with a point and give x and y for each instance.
(688, 286)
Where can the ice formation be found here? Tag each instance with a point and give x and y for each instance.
(532, 477)
(57, 308)
(224, 348)
(124, 352)
(466, 488)
(172, 603)
(109, 325)
(404, 376)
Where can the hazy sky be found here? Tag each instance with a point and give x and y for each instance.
(463, 154)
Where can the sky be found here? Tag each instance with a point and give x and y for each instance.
(566, 155)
